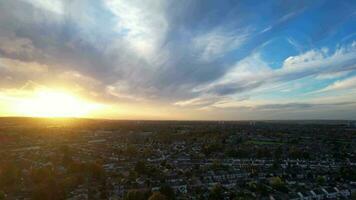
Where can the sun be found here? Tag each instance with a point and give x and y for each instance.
(48, 103)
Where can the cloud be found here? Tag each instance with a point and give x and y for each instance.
(252, 72)
(205, 101)
(332, 75)
(15, 73)
(187, 54)
(247, 74)
(284, 106)
(143, 24)
(142, 45)
(349, 83)
(289, 106)
(216, 43)
(200, 101)
(302, 107)
(55, 6)
(284, 18)
(17, 47)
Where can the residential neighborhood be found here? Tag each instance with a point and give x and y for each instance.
(100, 159)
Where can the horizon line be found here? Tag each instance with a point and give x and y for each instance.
(193, 120)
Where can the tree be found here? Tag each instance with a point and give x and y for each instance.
(137, 195)
(216, 193)
(140, 167)
(167, 191)
(157, 196)
(96, 171)
(9, 175)
(353, 196)
(243, 196)
(320, 180)
(131, 151)
(348, 173)
(276, 181)
(278, 152)
(216, 165)
(278, 184)
(67, 156)
(263, 153)
(48, 190)
(2, 195)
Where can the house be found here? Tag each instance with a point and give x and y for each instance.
(307, 195)
(330, 192)
(294, 196)
(318, 194)
(343, 191)
(179, 187)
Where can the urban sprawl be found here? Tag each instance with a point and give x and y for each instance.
(102, 159)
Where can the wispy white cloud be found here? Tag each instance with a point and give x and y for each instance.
(283, 19)
(217, 42)
(142, 23)
(349, 83)
(199, 101)
(246, 74)
(295, 44)
(332, 75)
(55, 6)
(252, 72)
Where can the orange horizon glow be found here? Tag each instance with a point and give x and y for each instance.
(45, 102)
(51, 103)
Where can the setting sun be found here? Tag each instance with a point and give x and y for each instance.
(55, 104)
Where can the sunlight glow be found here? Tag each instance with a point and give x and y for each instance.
(47, 103)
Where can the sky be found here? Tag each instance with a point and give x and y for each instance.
(186, 59)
